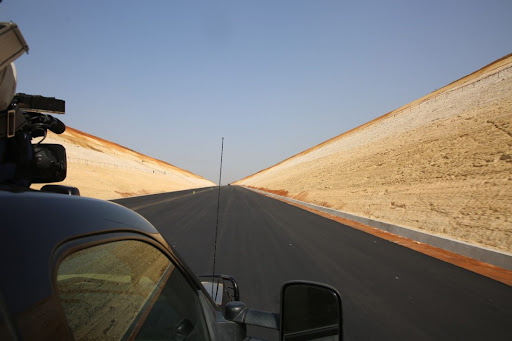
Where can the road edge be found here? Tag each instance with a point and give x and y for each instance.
(487, 262)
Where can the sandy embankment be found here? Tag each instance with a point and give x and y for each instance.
(105, 170)
(441, 164)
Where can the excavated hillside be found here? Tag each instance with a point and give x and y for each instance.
(441, 164)
(106, 170)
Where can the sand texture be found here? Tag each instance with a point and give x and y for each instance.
(441, 164)
(105, 170)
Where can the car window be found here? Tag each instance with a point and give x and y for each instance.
(128, 290)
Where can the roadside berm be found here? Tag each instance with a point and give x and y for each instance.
(441, 164)
(106, 170)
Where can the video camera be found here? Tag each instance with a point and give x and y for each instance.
(25, 117)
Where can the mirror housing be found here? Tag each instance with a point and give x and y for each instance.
(237, 312)
(61, 189)
(310, 311)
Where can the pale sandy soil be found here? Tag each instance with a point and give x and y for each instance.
(105, 170)
(442, 164)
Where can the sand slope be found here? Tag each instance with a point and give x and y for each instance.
(105, 170)
(442, 164)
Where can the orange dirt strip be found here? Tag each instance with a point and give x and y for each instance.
(484, 269)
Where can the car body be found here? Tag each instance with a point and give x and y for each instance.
(41, 232)
(82, 268)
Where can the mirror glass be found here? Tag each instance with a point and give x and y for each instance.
(310, 311)
(221, 288)
(215, 288)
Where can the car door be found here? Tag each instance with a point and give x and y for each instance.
(126, 287)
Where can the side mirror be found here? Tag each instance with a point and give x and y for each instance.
(221, 288)
(310, 311)
(61, 189)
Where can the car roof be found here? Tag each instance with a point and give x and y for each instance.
(53, 211)
(33, 224)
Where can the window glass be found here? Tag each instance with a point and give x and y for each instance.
(128, 290)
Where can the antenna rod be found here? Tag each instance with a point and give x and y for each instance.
(218, 204)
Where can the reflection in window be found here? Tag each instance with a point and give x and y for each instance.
(127, 289)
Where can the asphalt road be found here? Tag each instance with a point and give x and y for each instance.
(389, 292)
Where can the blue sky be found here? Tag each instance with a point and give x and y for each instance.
(171, 78)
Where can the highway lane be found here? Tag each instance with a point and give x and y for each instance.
(389, 292)
(139, 202)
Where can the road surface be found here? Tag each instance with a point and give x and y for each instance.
(389, 292)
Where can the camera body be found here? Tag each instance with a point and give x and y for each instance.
(21, 161)
(24, 118)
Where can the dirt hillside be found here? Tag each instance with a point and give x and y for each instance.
(441, 164)
(106, 170)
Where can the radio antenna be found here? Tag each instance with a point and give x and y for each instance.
(218, 204)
